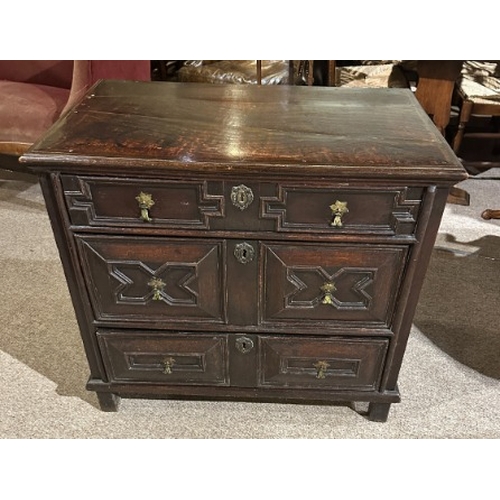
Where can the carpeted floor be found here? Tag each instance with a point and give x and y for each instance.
(449, 380)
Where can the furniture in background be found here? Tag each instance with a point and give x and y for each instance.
(477, 96)
(244, 241)
(436, 83)
(280, 72)
(371, 74)
(257, 72)
(271, 72)
(34, 94)
(434, 91)
(490, 214)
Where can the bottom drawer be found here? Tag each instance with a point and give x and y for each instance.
(187, 359)
(265, 361)
(322, 363)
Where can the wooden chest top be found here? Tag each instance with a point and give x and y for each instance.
(372, 133)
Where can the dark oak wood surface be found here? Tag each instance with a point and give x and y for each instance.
(174, 125)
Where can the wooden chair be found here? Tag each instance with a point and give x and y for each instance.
(435, 87)
(436, 83)
(477, 94)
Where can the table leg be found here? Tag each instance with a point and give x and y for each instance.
(378, 412)
(108, 401)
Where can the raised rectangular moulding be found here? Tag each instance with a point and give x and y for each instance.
(322, 363)
(340, 210)
(140, 203)
(186, 359)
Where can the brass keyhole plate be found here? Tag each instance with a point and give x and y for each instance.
(241, 196)
(244, 253)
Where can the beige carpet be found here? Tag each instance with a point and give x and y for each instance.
(449, 379)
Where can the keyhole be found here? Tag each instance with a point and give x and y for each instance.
(241, 196)
(244, 344)
(244, 252)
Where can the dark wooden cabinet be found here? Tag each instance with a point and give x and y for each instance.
(245, 242)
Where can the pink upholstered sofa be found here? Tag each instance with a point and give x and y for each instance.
(33, 94)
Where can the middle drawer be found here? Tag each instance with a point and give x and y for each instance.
(217, 283)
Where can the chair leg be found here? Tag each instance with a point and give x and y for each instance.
(490, 214)
(465, 114)
(458, 196)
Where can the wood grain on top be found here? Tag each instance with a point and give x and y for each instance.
(179, 123)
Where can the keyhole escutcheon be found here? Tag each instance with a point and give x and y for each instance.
(244, 344)
(241, 196)
(244, 252)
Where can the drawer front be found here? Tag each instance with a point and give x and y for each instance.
(151, 279)
(108, 202)
(370, 211)
(186, 359)
(322, 363)
(331, 283)
(244, 206)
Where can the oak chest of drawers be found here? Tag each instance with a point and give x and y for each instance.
(261, 243)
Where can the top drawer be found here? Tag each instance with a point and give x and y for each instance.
(382, 211)
(106, 201)
(242, 206)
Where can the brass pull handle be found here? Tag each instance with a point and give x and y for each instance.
(145, 201)
(244, 253)
(339, 209)
(241, 196)
(157, 285)
(168, 363)
(328, 288)
(244, 344)
(321, 367)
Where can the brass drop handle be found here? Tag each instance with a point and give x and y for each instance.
(145, 201)
(321, 367)
(339, 209)
(328, 288)
(168, 363)
(157, 285)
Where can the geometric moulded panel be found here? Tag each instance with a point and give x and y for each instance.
(331, 283)
(370, 211)
(152, 279)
